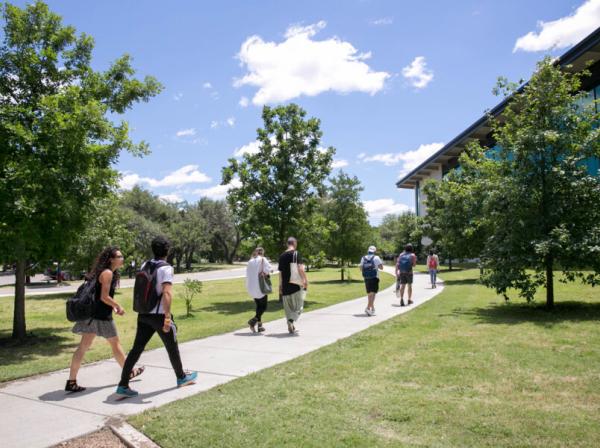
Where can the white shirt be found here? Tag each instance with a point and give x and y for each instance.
(252, 271)
(376, 261)
(164, 274)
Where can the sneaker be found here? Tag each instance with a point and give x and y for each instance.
(291, 328)
(260, 328)
(127, 392)
(373, 312)
(368, 312)
(401, 302)
(187, 380)
(410, 302)
(252, 324)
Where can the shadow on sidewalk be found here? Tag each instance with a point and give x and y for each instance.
(61, 395)
(140, 399)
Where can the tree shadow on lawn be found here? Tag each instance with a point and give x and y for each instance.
(537, 313)
(463, 281)
(336, 282)
(39, 342)
(245, 306)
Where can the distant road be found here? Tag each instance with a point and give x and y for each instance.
(67, 287)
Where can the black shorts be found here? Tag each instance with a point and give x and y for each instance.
(406, 278)
(372, 285)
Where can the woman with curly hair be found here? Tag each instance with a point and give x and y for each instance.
(106, 273)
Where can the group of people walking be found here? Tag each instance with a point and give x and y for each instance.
(155, 282)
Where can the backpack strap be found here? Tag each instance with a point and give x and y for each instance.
(154, 272)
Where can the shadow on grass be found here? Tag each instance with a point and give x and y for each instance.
(463, 281)
(536, 313)
(335, 282)
(39, 342)
(244, 306)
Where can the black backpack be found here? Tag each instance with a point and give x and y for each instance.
(81, 305)
(145, 298)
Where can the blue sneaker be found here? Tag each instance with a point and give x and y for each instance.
(126, 392)
(190, 378)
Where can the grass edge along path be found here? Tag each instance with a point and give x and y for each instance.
(222, 306)
(464, 369)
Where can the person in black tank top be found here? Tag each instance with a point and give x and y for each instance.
(101, 324)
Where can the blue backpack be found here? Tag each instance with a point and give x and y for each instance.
(369, 270)
(405, 262)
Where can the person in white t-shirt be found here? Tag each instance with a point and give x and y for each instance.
(257, 266)
(370, 265)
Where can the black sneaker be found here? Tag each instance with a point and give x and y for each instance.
(401, 302)
(260, 327)
(252, 324)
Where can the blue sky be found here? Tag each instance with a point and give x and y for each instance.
(390, 80)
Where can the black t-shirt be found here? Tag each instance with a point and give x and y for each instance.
(103, 311)
(284, 267)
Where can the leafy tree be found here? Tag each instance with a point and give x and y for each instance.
(58, 142)
(279, 184)
(352, 233)
(541, 203)
(398, 230)
(188, 234)
(191, 288)
(222, 227)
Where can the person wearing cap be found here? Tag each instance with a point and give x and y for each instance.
(291, 289)
(370, 265)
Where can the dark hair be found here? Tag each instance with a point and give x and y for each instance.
(431, 252)
(408, 248)
(292, 241)
(103, 262)
(160, 247)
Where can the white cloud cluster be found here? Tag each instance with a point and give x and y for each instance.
(382, 21)
(188, 174)
(340, 163)
(563, 32)
(230, 122)
(171, 198)
(302, 66)
(417, 73)
(218, 191)
(250, 148)
(186, 132)
(378, 208)
(244, 101)
(207, 85)
(409, 159)
(178, 96)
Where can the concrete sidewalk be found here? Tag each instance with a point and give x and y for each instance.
(36, 412)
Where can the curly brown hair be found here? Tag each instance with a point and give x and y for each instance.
(103, 261)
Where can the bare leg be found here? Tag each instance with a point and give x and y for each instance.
(117, 349)
(371, 303)
(402, 287)
(84, 345)
(410, 293)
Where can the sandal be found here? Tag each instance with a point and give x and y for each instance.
(72, 386)
(136, 372)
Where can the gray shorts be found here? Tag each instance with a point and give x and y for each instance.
(105, 328)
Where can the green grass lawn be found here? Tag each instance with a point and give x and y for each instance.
(464, 369)
(222, 306)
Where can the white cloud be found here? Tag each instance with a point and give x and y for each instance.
(207, 85)
(250, 148)
(218, 191)
(417, 73)
(214, 124)
(562, 32)
(244, 101)
(409, 159)
(361, 156)
(186, 132)
(339, 163)
(178, 96)
(382, 21)
(230, 122)
(378, 208)
(187, 174)
(172, 198)
(302, 66)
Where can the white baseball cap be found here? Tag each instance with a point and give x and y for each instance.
(372, 249)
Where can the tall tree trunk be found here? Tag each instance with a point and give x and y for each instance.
(238, 241)
(19, 327)
(549, 282)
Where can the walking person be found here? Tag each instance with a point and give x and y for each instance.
(369, 265)
(432, 265)
(106, 272)
(404, 272)
(292, 284)
(154, 285)
(257, 267)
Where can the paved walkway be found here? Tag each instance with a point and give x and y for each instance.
(36, 412)
(53, 288)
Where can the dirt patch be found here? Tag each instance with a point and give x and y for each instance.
(104, 438)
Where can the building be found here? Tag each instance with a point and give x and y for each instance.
(440, 163)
